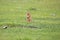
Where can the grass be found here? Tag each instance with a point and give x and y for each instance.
(45, 23)
(17, 33)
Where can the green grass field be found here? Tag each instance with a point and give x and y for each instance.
(17, 33)
(45, 23)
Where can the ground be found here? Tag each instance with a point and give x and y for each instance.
(45, 23)
(18, 33)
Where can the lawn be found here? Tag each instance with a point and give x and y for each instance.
(18, 33)
(45, 24)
